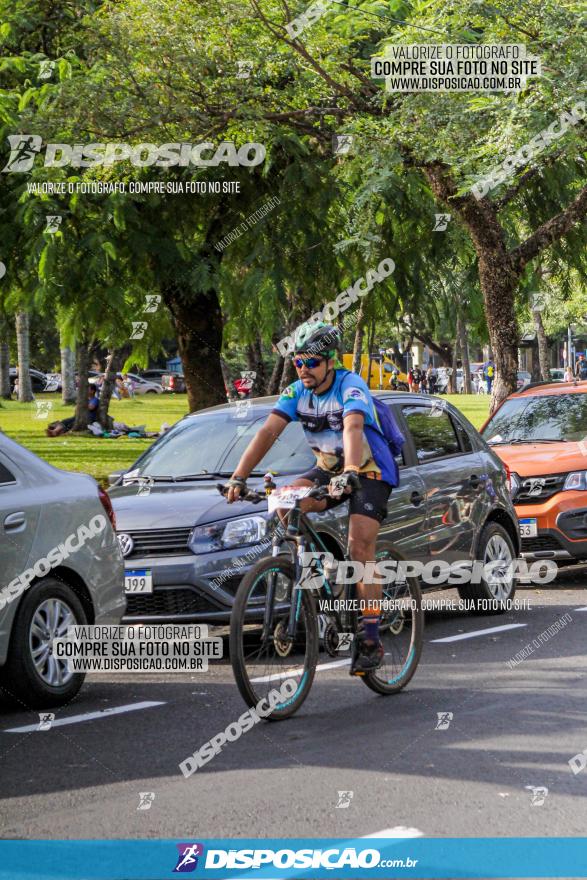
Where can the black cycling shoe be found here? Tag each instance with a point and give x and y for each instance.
(367, 656)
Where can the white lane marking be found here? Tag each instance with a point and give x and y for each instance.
(87, 716)
(581, 609)
(480, 632)
(397, 831)
(300, 669)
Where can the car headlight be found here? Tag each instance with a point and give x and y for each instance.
(576, 480)
(224, 535)
(513, 482)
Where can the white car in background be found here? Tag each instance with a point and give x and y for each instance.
(144, 386)
(557, 374)
(139, 385)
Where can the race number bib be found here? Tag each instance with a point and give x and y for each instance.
(286, 497)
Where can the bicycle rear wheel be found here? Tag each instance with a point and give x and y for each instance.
(262, 658)
(401, 630)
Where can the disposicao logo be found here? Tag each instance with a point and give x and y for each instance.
(24, 148)
(187, 860)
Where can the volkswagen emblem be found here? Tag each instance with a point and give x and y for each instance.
(126, 544)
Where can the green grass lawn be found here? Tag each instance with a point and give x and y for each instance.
(474, 406)
(100, 457)
(92, 455)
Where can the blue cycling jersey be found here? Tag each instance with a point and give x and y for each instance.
(322, 417)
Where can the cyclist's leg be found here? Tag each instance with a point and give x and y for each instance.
(367, 510)
(363, 533)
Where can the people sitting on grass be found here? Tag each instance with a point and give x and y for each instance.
(64, 425)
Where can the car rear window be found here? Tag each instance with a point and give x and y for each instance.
(432, 430)
(549, 417)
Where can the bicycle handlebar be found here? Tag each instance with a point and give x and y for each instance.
(319, 493)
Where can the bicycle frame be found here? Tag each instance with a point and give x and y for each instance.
(301, 534)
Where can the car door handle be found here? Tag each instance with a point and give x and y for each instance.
(14, 520)
(474, 480)
(416, 498)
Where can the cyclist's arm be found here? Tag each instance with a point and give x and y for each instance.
(352, 438)
(260, 444)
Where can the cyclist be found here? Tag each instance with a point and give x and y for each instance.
(338, 416)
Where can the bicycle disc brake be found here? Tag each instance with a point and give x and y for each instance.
(281, 643)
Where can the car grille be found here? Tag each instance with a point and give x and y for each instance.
(160, 542)
(540, 542)
(541, 488)
(173, 601)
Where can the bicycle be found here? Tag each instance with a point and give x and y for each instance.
(274, 630)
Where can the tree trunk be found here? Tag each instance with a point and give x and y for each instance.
(25, 389)
(542, 345)
(229, 387)
(256, 364)
(4, 371)
(358, 344)
(198, 324)
(114, 361)
(498, 291)
(499, 275)
(370, 338)
(464, 347)
(288, 373)
(276, 373)
(452, 379)
(67, 374)
(82, 366)
(535, 371)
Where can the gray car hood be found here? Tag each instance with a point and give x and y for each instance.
(171, 505)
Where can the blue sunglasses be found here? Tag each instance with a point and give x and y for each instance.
(311, 363)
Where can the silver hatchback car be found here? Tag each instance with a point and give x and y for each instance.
(60, 565)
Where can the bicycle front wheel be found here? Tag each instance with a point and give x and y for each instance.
(269, 668)
(401, 630)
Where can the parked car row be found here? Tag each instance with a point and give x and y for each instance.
(145, 382)
(40, 381)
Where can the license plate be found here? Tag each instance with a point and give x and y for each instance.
(528, 528)
(138, 580)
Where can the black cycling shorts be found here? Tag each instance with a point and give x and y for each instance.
(370, 501)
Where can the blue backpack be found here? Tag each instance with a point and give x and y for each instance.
(389, 429)
(388, 438)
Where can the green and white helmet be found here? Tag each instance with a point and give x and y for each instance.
(317, 338)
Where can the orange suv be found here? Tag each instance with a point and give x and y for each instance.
(540, 433)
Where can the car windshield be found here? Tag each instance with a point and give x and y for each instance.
(214, 442)
(552, 417)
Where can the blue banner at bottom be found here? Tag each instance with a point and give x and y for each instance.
(315, 858)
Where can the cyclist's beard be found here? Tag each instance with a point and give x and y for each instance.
(316, 380)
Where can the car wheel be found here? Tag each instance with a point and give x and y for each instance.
(32, 675)
(493, 595)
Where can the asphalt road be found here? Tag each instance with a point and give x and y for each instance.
(511, 729)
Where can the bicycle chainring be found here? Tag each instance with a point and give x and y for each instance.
(331, 640)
